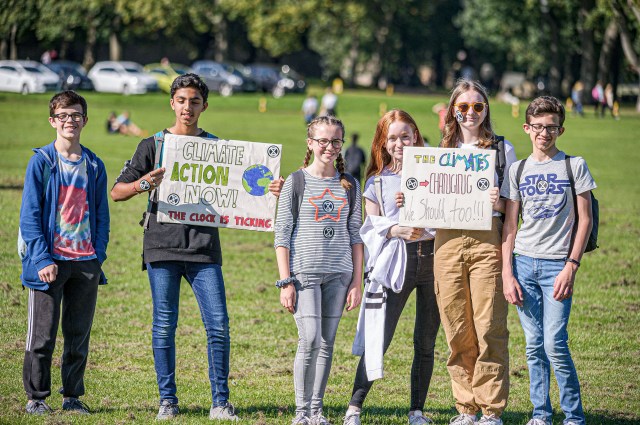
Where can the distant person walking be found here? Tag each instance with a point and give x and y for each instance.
(310, 108)
(329, 103)
(577, 94)
(597, 93)
(355, 158)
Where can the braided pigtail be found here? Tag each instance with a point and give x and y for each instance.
(343, 178)
(307, 158)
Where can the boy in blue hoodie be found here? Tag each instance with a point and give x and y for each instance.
(64, 232)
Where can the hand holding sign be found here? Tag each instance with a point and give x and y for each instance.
(448, 188)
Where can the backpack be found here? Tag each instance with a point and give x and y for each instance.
(592, 240)
(297, 194)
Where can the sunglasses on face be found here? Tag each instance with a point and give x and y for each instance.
(336, 143)
(463, 107)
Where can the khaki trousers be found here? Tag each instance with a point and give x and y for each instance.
(473, 310)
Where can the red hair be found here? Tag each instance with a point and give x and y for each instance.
(379, 155)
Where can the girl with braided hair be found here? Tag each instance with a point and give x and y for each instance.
(319, 254)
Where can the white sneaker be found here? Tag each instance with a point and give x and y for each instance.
(489, 420)
(223, 413)
(463, 419)
(537, 421)
(417, 418)
(318, 419)
(301, 419)
(352, 418)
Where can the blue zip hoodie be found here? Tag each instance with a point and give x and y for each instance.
(38, 212)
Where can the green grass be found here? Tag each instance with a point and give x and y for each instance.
(120, 377)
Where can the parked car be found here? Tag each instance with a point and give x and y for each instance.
(121, 77)
(276, 80)
(26, 77)
(248, 83)
(165, 74)
(217, 77)
(72, 75)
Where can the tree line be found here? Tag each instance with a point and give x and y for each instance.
(395, 41)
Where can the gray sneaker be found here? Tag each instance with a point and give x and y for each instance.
(463, 419)
(318, 419)
(38, 407)
(352, 419)
(223, 413)
(537, 421)
(72, 404)
(168, 410)
(489, 420)
(419, 419)
(301, 419)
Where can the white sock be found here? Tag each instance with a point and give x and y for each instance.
(353, 410)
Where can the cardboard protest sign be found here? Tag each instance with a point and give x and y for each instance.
(218, 183)
(447, 188)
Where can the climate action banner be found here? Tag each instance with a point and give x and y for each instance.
(218, 183)
(447, 188)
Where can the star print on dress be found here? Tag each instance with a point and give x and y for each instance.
(329, 204)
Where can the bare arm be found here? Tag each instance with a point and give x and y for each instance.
(354, 294)
(563, 285)
(287, 293)
(510, 286)
(125, 191)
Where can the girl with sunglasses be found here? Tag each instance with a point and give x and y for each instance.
(395, 130)
(468, 278)
(319, 253)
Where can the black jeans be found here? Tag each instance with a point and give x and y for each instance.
(419, 276)
(76, 286)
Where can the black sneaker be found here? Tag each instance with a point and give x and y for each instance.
(168, 410)
(74, 405)
(38, 407)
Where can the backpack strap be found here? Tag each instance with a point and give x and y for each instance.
(501, 158)
(377, 185)
(518, 176)
(572, 182)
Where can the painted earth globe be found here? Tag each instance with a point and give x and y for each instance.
(256, 179)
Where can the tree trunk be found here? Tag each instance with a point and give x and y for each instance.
(587, 47)
(220, 37)
(626, 39)
(115, 49)
(354, 51)
(13, 43)
(3, 49)
(88, 59)
(555, 73)
(608, 46)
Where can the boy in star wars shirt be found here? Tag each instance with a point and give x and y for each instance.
(540, 261)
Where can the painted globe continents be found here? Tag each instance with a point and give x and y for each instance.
(256, 179)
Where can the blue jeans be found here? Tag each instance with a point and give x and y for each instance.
(208, 286)
(544, 321)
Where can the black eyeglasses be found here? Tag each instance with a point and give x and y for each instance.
(551, 129)
(464, 106)
(64, 117)
(336, 143)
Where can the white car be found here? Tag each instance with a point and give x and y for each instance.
(121, 77)
(27, 77)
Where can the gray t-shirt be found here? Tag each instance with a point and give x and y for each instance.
(547, 204)
(391, 186)
(321, 240)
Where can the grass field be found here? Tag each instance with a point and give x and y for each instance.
(120, 377)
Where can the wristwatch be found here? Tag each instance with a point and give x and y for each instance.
(144, 185)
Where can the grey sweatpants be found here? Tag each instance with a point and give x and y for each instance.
(76, 287)
(320, 299)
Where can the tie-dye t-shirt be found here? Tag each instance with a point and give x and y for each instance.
(72, 238)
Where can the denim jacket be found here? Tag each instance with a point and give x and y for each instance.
(38, 212)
